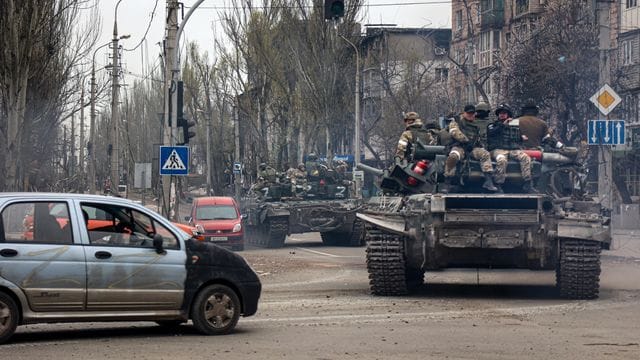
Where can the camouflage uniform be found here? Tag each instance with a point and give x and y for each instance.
(414, 130)
(465, 132)
(505, 141)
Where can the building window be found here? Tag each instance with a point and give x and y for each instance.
(442, 75)
(632, 3)
(489, 43)
(459, 20)
(627, 52)
(522, 6)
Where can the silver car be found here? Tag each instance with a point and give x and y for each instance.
(72, 258)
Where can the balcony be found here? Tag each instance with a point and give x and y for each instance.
(492, 19)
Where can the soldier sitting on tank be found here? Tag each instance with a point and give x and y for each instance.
(505, 141)
(297, 177)
(466, 139)
(414, 130)
(536, 133)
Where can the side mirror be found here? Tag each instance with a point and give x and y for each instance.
(187, 219)
(157, 244)
(243, 216)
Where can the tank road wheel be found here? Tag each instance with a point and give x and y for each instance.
(578, 269)
(216, 310)
(388, 272)
(276, 233)
(8, 317)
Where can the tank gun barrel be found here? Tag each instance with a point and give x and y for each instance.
(555, 158)
(370, 169)
(427, 152)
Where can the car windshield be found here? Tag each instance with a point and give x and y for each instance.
(216, 212)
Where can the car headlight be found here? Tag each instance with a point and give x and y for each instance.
(237, 227)
(199, 229)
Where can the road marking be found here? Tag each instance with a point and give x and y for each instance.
(327, 254)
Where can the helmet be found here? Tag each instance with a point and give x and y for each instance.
(312, 157)
(301, 166)
(504, 107)
(411, 115)
(530, 108)
(483, 106)
(263, 166)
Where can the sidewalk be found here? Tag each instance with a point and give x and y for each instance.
(626, 243)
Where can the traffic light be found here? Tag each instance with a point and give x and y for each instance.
(183, 122)
(333, 9)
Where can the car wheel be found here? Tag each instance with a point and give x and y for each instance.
(8, 317)
(216, 310)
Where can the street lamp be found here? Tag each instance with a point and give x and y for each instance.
(356, 140)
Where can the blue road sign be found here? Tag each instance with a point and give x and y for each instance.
(174, 160)
(606, 132)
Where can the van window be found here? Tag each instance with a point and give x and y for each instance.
(216, 212)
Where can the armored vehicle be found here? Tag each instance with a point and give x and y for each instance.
(413, 228)
(282, 209)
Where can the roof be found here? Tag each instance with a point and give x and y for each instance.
(215, 200)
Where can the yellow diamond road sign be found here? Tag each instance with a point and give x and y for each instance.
(605, 99)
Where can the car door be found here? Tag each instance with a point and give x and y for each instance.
(124, 271)
(40, 252)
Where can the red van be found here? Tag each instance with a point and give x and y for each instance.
(218, 218)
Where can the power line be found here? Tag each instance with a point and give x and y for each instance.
(148, 27)
(437, 2)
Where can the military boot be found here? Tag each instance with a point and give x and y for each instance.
(499, 187)
(488, 183)
(527, 187)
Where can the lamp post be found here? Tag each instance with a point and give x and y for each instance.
(356, 140)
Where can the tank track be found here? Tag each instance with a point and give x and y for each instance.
(578, 270)
(276, 232)
(388, 272)
(356, 234)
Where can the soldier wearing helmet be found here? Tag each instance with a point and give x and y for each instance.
(466, 138)
(268, 173)
(505, 141)
(414, 132)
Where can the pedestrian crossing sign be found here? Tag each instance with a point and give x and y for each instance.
(174, 160)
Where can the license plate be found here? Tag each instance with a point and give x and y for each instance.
(218, 238)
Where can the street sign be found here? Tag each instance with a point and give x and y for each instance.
(606, 132)
(174, 160)
(142, 176)
(605, 99)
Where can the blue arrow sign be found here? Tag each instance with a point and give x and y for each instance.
(174, 160)
(606, 132)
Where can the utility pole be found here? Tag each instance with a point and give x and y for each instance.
(83, 176)
(236, 155)
(171, 30)
(92, 131)
(115, 118)
(605, 159)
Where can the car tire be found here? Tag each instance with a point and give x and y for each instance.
(8, 317)
(216, 310)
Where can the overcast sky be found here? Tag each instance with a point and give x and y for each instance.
(134, 17)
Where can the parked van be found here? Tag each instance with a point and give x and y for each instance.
(218, 219)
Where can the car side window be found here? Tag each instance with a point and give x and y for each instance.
(115, 225)
(37, 222)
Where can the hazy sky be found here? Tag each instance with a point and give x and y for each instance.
(135, 15)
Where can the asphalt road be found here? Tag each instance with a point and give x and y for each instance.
(316, 305)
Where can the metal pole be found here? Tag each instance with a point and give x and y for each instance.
(209, 163)
(93, 94)
(115, 168)
(83, 176)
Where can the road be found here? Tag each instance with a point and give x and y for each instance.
(316, 305)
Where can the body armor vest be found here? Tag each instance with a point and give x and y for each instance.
(471, 131)
(504, 136)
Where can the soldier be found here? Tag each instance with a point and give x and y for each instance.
(298, 178)
(504, 141)
(413, 131)
(269, 174)
(535, 131)
(466, 138)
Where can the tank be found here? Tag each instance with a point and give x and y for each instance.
(412, 228)
(320, 205)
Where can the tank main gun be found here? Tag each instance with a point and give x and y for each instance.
(370, 169)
